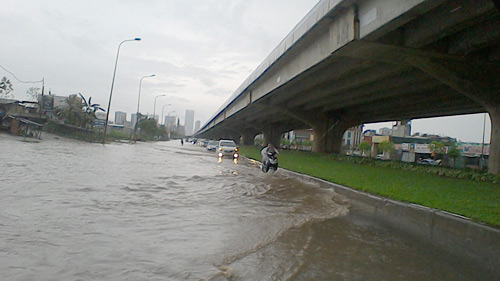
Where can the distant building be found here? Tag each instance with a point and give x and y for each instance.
(100, 119)
(60, 101)
(302, 135)
(180, 130)
(471, 149)
(50, 103)
(188, 122)
(155, 117)
(353, 136)
(120, 118)
(100, 115)
(385, 131)
(402, 129)
(197, 126)
(370, 133)
(170, 123)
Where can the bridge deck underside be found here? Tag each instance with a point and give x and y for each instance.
(371, 91)
(372, 80)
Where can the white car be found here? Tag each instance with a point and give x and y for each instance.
(212, 145)
(227, 147)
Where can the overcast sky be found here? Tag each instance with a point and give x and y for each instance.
(200, 51)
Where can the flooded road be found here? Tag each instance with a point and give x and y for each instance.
(162, 211)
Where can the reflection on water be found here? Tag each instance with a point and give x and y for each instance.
(161, 211)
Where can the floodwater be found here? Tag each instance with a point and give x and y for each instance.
(161, 211)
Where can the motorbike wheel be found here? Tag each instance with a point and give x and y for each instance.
(264, 168)
(220, 159)
(235, 160)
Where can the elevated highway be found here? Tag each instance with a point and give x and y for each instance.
(350, 62)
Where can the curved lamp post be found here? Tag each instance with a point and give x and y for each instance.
(138, 103)
(154, 106)
(162, 110)
(112, 84)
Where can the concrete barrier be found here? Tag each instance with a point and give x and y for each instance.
(457, 234)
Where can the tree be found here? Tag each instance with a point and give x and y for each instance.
(6, 88)
(453, 153)
(436, 147)
(32, 93)
(365, 147)
(90, 110)
(386, 147)
(72, 114)
(149, 129)
(79, 112)
(89, 107)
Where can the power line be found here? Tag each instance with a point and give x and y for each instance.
(19, 80)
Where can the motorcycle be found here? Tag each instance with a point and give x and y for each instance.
(236, 156)
(221, 155)
(270, 164)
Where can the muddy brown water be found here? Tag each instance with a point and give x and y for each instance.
(161, 211)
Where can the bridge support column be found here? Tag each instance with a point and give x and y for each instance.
(318, 122)
(320, 129)
(480, 83)
(272, 136)
(494, 157)
(248, 138)
(335, 135)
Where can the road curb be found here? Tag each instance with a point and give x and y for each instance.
(455, 233)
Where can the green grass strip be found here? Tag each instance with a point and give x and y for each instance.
(477, 200)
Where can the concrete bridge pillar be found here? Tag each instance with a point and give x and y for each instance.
(318, 122)
(320, 129)
(272, 135)
(236, 138)
(479, 82)
(494, 157)
(232, 135)
(247, 138)
(335, 135)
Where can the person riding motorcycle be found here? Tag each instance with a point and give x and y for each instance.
(266, 152)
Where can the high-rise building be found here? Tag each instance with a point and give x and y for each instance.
(170, 122)
(197, 126)
(188, 122)
(120, 118)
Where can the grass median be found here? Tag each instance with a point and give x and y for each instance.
(477, 200)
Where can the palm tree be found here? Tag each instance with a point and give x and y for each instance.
(79, 112)
(90, 111)
(88, 107)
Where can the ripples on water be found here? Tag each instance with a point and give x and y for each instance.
(161, 211)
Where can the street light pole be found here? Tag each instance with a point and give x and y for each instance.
(154, 106)
(112, 84)
(162, 110)
(138, 103)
